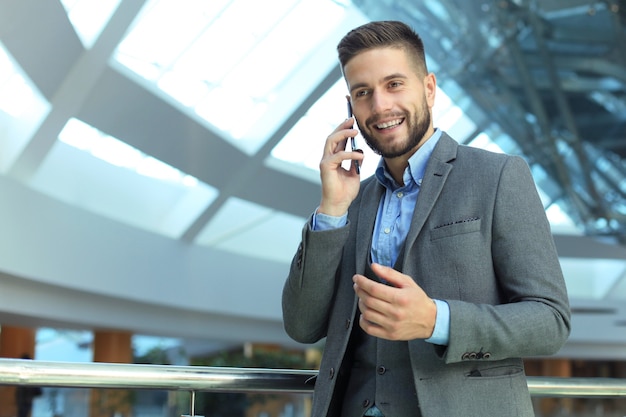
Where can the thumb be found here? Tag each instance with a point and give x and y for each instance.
(391, 276)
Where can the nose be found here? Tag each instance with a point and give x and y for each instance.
(381, 102)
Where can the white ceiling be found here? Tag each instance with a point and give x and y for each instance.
(194, 128)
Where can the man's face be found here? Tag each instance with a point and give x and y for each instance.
(391, 103)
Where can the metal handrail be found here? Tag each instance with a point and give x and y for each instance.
(246, 380)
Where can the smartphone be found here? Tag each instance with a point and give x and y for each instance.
(353, 140)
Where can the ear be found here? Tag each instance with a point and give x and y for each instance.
(430, 88)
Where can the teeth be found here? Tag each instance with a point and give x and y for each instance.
(389, 124)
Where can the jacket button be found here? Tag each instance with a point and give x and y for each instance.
(347, 323)
(465, 356)
(486, 355)
(366, 403)
(472, 355)
(381, 370)
(331, 373)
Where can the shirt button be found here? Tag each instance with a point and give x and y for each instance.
(387, 230)
(381, 370)
(400, 194)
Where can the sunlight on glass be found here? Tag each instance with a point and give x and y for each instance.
(442, 104)
(89, 17)
(22, 108)
(116, 153)
(275, 58)
(187, 90)
(448, 118)
(6, 66)
(303, 144)
(189, 181)
(560, 221)
(483, 141)
(226, 59)
(84, 137)
(154, 168)
(15, 94)
(79, 135)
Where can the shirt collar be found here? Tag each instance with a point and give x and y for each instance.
(417, 165)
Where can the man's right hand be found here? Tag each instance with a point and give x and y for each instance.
(339, 185)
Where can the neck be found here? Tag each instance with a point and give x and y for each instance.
(397, 165)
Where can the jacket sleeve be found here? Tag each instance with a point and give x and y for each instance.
(535, 318)
(309, 290)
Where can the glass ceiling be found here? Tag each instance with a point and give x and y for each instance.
(243, 89)
(171, 50)
(235, 84)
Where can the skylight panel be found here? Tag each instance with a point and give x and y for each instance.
(89, 17)
(82, 136)
(97, 172)
(240, 225)
(302, 146)
(227, 61)
(16, 95)
(22, 108)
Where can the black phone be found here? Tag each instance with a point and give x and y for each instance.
(353, 140)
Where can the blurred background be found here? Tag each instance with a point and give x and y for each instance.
(158, 159)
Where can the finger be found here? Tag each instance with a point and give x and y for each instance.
(372, 307)
(371, 328)
(391, 276)
(370, 290)
(357, 157)
(337, 140)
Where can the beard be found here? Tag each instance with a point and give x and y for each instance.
(418, 126)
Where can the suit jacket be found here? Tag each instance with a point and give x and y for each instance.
(479, 240)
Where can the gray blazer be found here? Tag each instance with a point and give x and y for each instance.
(479, 240)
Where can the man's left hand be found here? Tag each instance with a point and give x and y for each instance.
(398, 311)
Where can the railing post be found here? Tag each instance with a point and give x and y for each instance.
(192, 406)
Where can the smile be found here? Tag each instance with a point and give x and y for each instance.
(389, 124)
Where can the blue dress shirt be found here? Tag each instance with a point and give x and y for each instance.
(394, 219)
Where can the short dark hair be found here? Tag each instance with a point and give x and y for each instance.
(383, 34)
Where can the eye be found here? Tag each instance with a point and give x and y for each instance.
(361, 93)
(394, 84)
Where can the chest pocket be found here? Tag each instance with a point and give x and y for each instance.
(460, 227)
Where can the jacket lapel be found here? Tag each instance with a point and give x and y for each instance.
(367, 217)
(435, 176)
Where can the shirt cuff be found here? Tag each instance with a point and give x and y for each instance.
(322, 221)
(441, 333)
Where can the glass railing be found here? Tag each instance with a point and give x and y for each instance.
(198, 379)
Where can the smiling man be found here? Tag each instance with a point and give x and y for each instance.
(431, 279)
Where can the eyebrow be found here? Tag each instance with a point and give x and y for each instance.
(387, 78)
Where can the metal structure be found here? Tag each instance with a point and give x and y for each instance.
(249, 380)
(551, 75)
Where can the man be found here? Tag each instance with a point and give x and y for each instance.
(431, 279)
